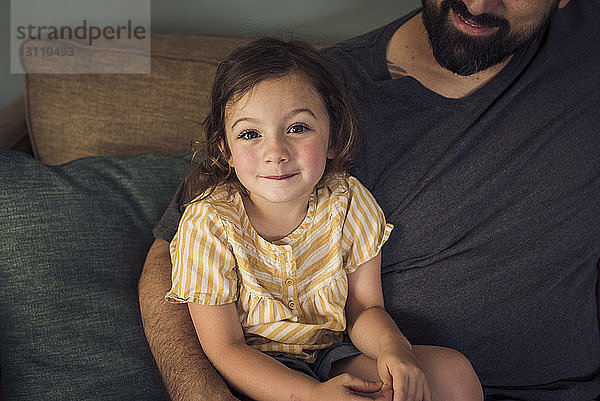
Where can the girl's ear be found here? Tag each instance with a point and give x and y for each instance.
(222, 149)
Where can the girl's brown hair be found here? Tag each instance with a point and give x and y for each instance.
(259, 60)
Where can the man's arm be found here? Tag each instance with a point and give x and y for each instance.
(186, 372)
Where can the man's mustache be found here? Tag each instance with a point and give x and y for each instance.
(484, 20)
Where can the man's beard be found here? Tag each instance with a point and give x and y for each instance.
(464, 54)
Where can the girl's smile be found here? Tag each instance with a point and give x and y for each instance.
(280, 177)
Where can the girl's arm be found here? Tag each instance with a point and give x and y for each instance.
(375, 334)
(255, 374)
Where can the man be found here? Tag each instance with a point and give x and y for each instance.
(479, 124)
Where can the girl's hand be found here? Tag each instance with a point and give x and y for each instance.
(344, 387)
(402, 376)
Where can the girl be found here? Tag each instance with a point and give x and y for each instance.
(278, 250)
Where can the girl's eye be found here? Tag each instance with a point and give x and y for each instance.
(298, 128)
(247, 135)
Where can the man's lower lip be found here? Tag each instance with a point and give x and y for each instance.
(464, 26)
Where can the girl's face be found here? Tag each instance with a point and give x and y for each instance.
(278, 137)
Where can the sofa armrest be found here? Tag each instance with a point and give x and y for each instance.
(13, 129)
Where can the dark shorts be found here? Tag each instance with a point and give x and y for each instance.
(319, 369)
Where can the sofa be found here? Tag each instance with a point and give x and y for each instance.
(88, 163)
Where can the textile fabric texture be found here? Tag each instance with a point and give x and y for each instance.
(12, 124)
(73, 240)
(126, 114)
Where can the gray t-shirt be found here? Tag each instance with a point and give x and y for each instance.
(495, 199)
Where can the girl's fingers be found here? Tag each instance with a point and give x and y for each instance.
(420, 391)
(357, 384)
(402, 389)
(386, 395)
(387, 381)
(426, 392)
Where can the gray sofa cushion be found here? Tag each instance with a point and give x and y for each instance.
(73, 239)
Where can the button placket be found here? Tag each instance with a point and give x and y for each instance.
(289, 277)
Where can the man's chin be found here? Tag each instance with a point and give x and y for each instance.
(469, 67)
(466, 60)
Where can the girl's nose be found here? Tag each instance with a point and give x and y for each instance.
(276, 150)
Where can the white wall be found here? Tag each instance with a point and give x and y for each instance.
(324, 20)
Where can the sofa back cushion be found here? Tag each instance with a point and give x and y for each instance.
(76, 115)
(73, 240)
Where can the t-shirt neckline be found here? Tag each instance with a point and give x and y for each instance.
(515, 66)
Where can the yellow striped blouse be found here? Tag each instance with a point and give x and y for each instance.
(290, 294)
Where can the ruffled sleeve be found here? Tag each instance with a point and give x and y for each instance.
(204, 268)
(365, 228)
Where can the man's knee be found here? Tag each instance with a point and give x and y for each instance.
(466, 383)
(450, 373)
